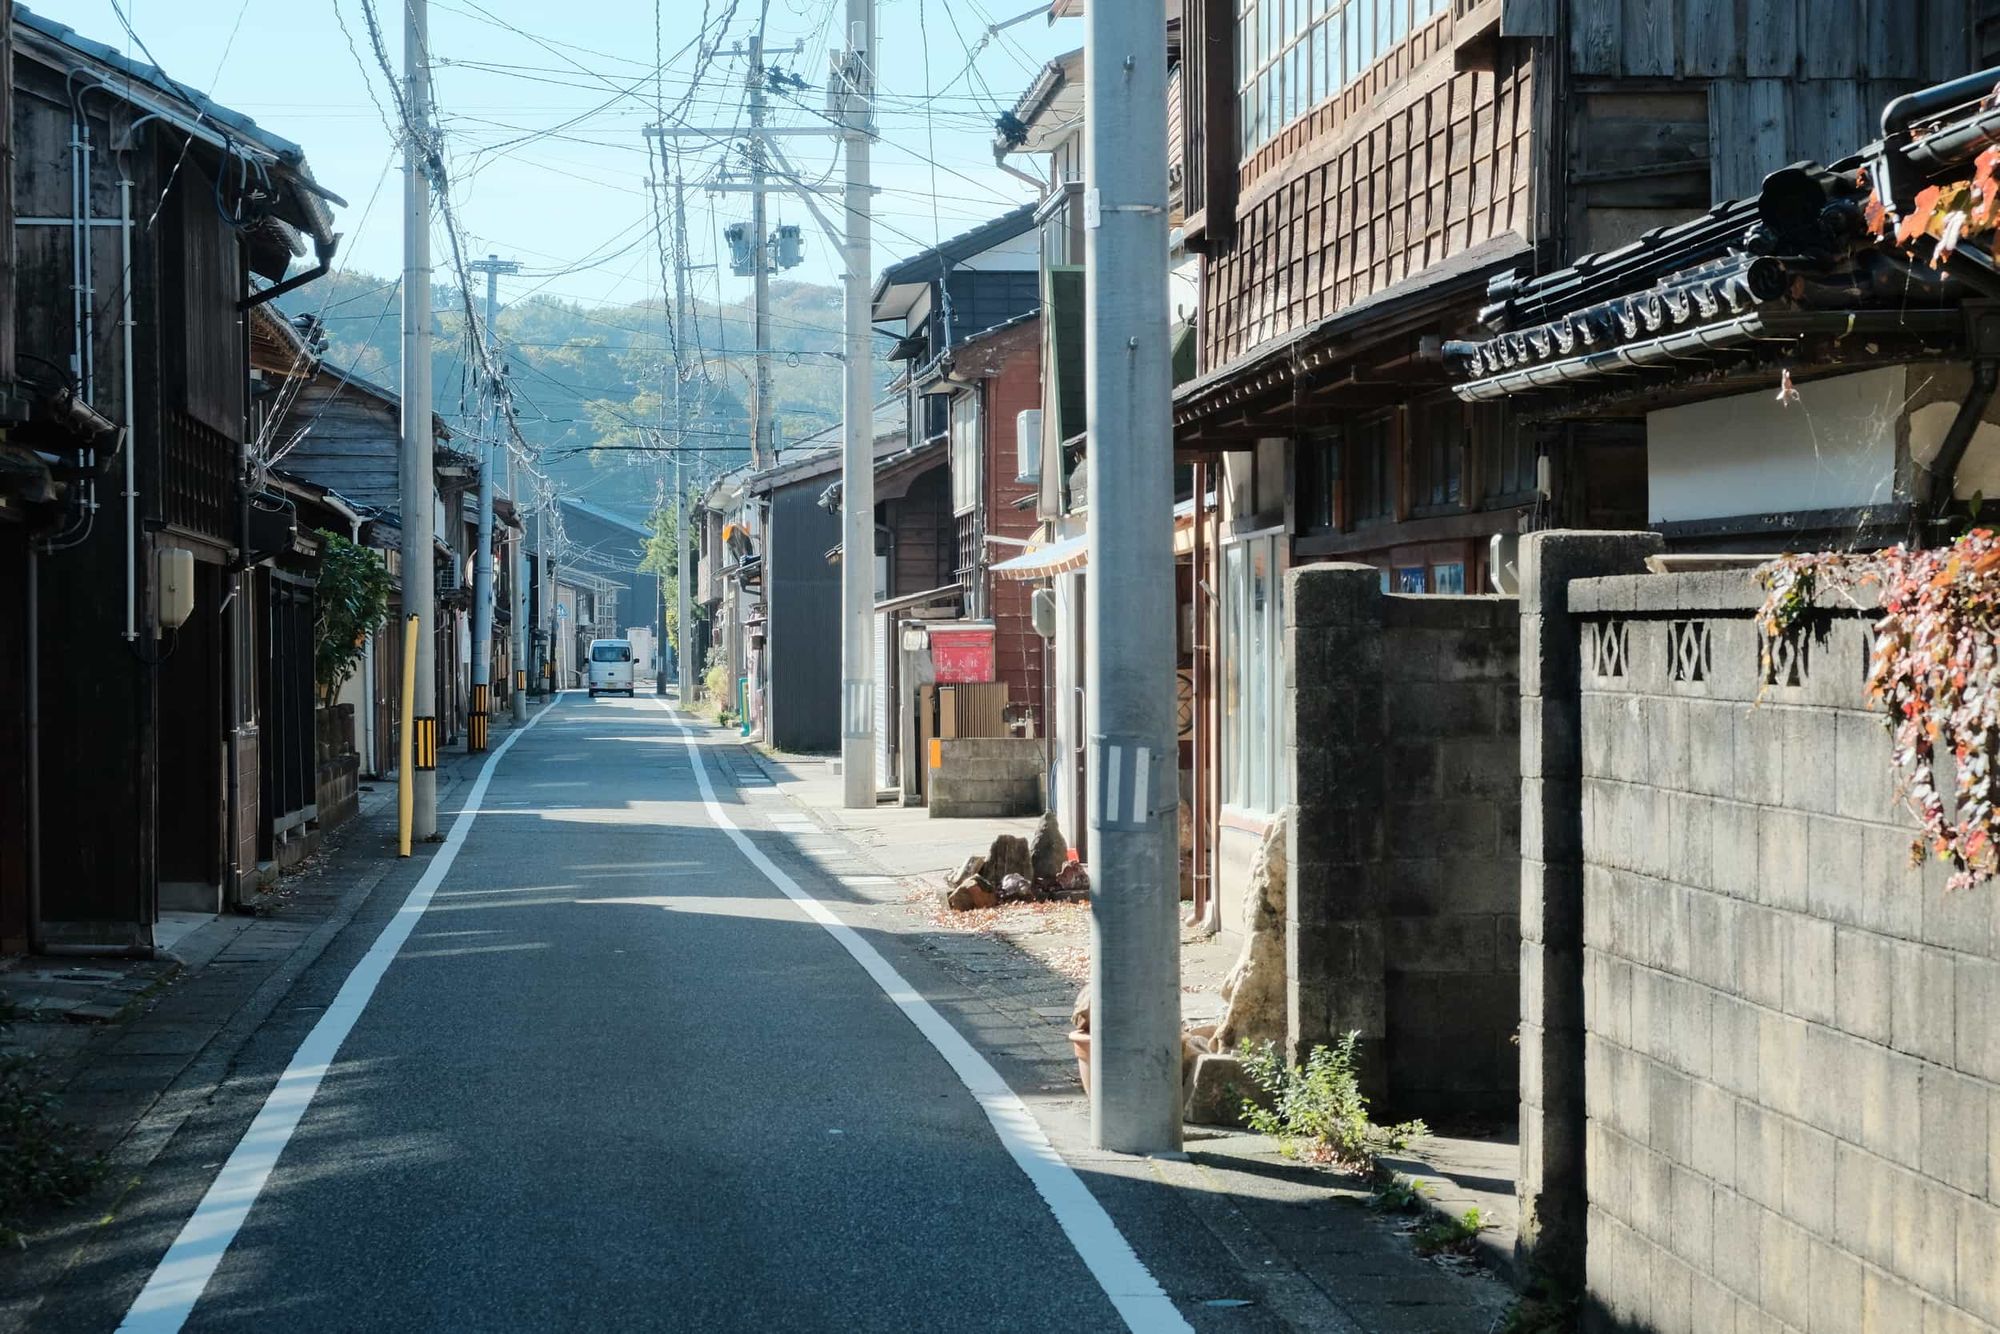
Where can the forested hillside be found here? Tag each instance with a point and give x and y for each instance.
(590, 383)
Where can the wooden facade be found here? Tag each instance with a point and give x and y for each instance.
(138, 254)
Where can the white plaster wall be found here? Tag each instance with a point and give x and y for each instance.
(1750, 454)
(1014, 254)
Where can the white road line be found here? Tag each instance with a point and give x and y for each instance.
(1133, 1290)
(169, 1296)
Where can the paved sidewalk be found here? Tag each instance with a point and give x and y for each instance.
(1326, 1261)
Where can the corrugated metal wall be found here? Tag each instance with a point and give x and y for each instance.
(802, 595)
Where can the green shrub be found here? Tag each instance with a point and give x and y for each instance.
(1452, 1235)
(1318, 1111)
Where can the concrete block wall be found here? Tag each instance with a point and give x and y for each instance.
(1792, 1037)
(1549, 1181)
(987, 778)
(1403, 911)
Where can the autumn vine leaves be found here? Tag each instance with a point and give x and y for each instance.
(1935, 670)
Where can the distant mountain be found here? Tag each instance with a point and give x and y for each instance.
(592, 383)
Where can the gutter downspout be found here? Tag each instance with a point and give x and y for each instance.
(130, 442)
(322, 252)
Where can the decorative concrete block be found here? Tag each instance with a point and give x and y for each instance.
(1954, 1138)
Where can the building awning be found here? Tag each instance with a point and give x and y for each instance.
(1064, 557)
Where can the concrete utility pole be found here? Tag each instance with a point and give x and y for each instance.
(418, 480)
(683, 511)
(760, 256)
(857, 452)
(1135, 910)
(482, 562)
(520, 585)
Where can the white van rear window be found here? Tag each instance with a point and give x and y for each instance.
(611, 653)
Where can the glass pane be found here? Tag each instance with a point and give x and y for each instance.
(1448, 578)
(1399, 20)
(1410, 579)
(1350, 44)
(1258, 666)
(1236, 638)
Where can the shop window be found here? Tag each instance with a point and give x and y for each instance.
(1253, 752)
(1410, 579)
(1448, 577)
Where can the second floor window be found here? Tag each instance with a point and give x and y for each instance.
(1371, 475)
(965, 452)
(1293, 54)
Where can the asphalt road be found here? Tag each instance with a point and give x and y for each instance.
(614, 1079)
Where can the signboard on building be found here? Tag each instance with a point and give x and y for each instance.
(962, 652)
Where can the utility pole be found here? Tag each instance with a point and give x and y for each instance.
(760, 396)
(482, 562)
(857, 452)
(418, 480)
(1135, 1016)
(683, 511)
(519, 583)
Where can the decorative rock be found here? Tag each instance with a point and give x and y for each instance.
(1217, 1089)
(967, 871)
(1255, 986)
(969, 894)
(1079, 1013)
(1008, 856)
(1016, 887)
(1049, 851)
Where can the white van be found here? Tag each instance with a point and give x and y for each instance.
(610, 666)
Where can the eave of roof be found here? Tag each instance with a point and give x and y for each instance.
(1418, 294)
(927, 266)
(210, 121)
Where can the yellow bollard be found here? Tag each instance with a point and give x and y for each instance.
(406, 776)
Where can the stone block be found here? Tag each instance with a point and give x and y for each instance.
(1865, 1188)
(1894, 887)
(1672, 1295)
(1712, 926)
(1668, 744)
(1862, 747)
(1738, 1228)
(1550, 560)
(1958, 920)
(1483, 769)
(1925, 1006)
(1458, 943)
(1978, 1015)
(1979, 1259)
(1694, 1218)
(1760, 1155)
(1714, 1306)
(1811, 783)
(1781, 1059)
(1810, 988)
(1955, 1137)
(1889, 1306)
(1782, 858)
(1758, 755)
(1334, 595)
(1735, 842)
(1809, 1176)
(1864, 984)
(1712, 747)
(1785, 1286)
(1734, 1045)
(1835, 1304)
(1670, 1112)
(1925, 1248)
(1838, 887)
(1993, 1145)
(1889, 1089)
(1762, 945)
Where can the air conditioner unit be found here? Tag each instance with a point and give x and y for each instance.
(448, 579)
(1028, 446)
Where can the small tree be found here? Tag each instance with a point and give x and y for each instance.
(662, 559)
(352, 603)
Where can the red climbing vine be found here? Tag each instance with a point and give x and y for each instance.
(1934, 666)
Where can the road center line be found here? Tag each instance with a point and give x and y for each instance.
(183, 1273)
(1133, 1290)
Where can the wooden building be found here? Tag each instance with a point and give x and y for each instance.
(1354, 175)
(341, 437)
(179, 217)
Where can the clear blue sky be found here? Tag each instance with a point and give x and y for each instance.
(578, 196)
